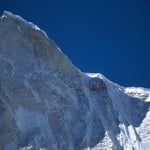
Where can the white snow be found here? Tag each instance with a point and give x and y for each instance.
(19, 18)
(95, 75)
(137, 92)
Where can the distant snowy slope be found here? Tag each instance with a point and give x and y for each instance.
(46, 103)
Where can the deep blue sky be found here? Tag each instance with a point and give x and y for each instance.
(107, 36)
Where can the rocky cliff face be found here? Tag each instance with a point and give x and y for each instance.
(46, 103)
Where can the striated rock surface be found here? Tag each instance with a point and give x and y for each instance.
(46, 103)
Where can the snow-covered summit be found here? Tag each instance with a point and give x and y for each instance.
(137, 92)
(47, 103)
(8, 14)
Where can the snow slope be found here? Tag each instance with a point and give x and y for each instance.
(46, 103)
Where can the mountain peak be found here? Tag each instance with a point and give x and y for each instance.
(48, 103)
(10, 15)
(35, 43)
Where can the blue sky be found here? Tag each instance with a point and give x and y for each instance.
(110, 36)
